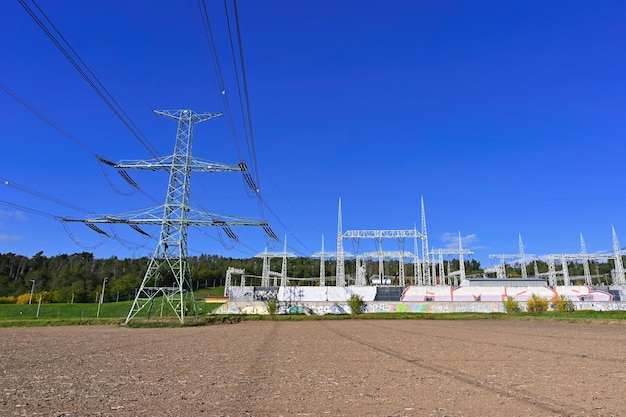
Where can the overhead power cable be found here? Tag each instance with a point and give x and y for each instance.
(69, 53)
(41, 195)
(60, 202)
(29, 210)
(238, 62)
(273, 235)
(208, 31)
(251, 145)
(99, 158)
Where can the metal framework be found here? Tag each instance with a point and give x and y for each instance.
(323, 256)
(420, 276)
(440, 252)
(379, 235)
(426, 277)
(340, 280)
(229, 272)
(168, 273)
(267, 272)
(617, 274)
(382, 255)
(501, 271)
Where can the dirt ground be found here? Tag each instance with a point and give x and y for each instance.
(321, 368)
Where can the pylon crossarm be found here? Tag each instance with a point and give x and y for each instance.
(176, 115)
(376, 234)
(154, 216)
(167, 162)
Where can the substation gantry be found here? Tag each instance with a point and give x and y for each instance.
(521, 256)
(361, 279)
(421, 272)
(379, 235)
(617, 274)
(228, 284)
(267, 272)
(451, 277)
(322, 255)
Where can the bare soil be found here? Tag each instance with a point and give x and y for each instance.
(319, 368)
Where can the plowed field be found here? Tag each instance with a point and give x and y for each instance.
(317, 368)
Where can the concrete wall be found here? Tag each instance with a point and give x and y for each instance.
(439, 293)
(323, 307)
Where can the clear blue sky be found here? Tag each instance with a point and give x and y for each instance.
(508, 117)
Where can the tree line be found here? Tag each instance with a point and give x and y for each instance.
(79, 277)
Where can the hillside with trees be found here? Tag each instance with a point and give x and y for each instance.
(79, 277)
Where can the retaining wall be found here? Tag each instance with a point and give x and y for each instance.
(330, 307)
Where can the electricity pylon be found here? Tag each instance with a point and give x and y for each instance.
(168, 274)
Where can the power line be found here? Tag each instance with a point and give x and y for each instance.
(28, 209)
(237, 56)
(38, 194)
(88, 75)
(41, 195)
(208, 31)
(102, 161)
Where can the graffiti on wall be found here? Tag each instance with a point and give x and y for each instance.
(265, 293)
(601, 306)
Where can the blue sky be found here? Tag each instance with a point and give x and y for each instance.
(506, 116)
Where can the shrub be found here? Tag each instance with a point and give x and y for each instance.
(562, 303)
(356, 303)
(272, 306)
(537, 304)
(24, 298)
(11, 299)
(510, 304)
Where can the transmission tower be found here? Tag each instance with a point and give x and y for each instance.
(426, 279)
(418, 278)
(461, 259)
(322, 266)
(168, 274)
(583, 251)
(618, 275)
(340, 280)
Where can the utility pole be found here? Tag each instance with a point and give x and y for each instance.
(32, 290)
(104, 283)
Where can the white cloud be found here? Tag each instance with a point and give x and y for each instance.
(451, 240)
(17, 214)
(10, 238)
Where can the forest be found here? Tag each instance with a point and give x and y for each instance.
(79, 277)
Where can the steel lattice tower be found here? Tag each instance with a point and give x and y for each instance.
(171, 255)
(426, 269)
(618, 275)
(341, 270)
(168, 273)
(171, 252)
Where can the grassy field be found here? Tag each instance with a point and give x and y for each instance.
(161, 315)
(88, 313)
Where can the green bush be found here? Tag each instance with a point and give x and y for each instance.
(562, 304)
(537, 304)
(356, 303)
(272, 306)
(510, 304)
